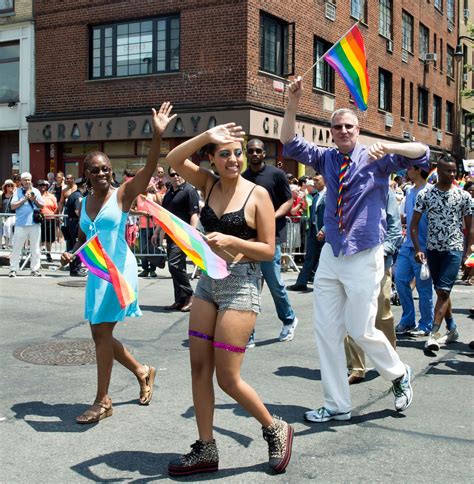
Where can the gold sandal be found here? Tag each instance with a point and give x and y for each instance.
(91, 416)
(146, 389)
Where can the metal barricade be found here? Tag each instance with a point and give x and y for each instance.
(296, 228)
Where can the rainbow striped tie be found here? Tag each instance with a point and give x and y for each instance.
(342, 174)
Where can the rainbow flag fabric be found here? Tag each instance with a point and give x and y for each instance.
(347, 58)
(432, 176)
(189, 240)
(99, 263)
(470, 261)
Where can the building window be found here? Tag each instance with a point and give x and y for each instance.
(275, 46)
(422, 105)
(424, 41)
(441, 60)
(359, 10)
(450, 13)
(407, 31)
(450, 62)
(435, 48)
(385, 90)
(135, 48)
(402, 98)
(7, 6)
(437, 112)
(323, 72)
(385, 18)
(411, 101)
(449, 117)
(9, 72)
(438, 5)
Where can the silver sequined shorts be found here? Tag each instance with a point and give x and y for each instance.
(240, 290)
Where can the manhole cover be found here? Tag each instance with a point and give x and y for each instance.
(64, 353)
(72, 283)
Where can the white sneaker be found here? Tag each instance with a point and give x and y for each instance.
(287, 332)
(323, 414)
(449, 337)
(36, 274)
(433, 342)
(12, 274)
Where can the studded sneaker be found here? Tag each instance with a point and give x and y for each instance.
(202, 458)
(279, 437)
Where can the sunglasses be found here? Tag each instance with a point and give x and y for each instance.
(97, 169)
(173, 174)
(256, 151)
(338, 127)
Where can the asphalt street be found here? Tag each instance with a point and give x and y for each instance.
(48, 377)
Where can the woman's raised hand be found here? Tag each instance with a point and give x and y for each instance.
(225, 133)
(162, 118)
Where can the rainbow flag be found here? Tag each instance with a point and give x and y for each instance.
(189, 240)
(470, 261)
(99, 263)
(347, 58)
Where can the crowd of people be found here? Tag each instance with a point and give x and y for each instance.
(364, 238)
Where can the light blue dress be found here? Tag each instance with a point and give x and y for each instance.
(102, 305)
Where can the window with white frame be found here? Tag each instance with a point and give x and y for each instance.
(385, 18)
(438, 5)
(407, 31)
(450, 12)
(149, 46)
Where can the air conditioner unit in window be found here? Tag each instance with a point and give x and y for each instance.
(464, 77)
(404, 56)
(406, 135)
(389, 45)
(439, 135)
(330, 11)
(388, 120)
(466, 14)
(430, 57)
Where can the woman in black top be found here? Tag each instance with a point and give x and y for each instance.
(238, 218)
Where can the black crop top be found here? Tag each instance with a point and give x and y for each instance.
(232, 223)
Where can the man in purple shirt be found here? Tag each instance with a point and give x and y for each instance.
(351, 265)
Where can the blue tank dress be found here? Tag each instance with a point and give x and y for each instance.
(102, 304)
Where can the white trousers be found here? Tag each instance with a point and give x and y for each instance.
(346, 289)
(33, 233)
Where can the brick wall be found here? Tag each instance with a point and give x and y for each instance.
(219, 59)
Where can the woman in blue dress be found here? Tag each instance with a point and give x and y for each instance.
(104, 212)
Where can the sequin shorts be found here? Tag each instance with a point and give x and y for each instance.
(240, 290)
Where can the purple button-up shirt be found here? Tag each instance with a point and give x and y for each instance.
(364, 196)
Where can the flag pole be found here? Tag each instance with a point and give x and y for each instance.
(329, 50)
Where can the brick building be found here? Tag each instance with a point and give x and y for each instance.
(102, 64)
(16, 83)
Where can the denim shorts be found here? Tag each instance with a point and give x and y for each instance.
(240, 290)
(444, 267)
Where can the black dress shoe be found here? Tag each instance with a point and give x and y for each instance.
(173, 307)
(297, 287)
(77, 274)
(354, 379)
(186, 307)
(143, 274)
(153, 274)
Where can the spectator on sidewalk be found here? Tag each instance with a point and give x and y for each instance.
(7, 224)
(181, 200)
(26, 201)
(49, 210)
(275, 182)
(446, 208)
(314, 238)
(408, 269)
